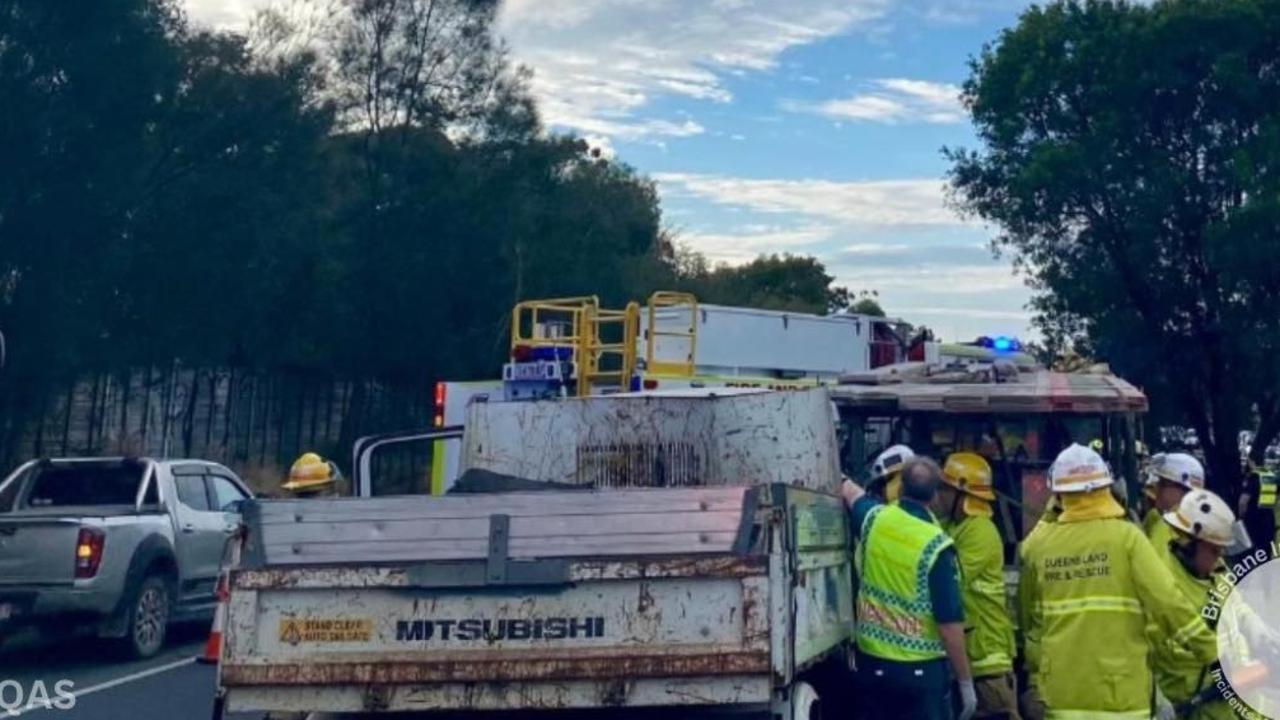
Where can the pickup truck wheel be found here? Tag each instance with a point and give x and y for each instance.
(148, 617)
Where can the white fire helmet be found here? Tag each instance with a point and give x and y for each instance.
(1205, 516)
(1177, 468)
(890, 461)
(1079, 469)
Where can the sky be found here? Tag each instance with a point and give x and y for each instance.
(812, 127)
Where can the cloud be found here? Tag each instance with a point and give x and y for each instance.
(224, 14)
(876, 202)
(744, 244)
(893, 101)
(915, 254)
(599, 64)
(872, 249)
(893, 236)
(934, 277)
(625, 130)
(982, 313)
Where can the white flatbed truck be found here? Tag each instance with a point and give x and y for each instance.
(728, 588)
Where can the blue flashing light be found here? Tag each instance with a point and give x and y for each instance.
(1003, 344)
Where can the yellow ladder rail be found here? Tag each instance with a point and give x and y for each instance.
(624, 348)
(664, 299)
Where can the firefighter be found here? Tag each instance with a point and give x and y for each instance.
(312, 476)
(1202, 529)
(964, 506)
(1090, 582)
(910, 632)
(1170, 478)
(1152, 517)
(886, 471)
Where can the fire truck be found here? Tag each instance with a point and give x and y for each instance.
(575, 347)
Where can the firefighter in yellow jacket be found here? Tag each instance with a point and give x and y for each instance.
(964, 507)
(1202, 529)
(1091, 581)
(312, 476)
(1170, 477)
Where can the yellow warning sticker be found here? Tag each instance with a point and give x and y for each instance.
(325, 630)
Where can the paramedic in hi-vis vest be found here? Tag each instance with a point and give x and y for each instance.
(886, 473)
(964, 506)
(1258, 504)
(910, 626)
(1090, 583)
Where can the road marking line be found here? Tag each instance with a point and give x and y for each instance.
(140, 675)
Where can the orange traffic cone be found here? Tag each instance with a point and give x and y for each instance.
(213, 646)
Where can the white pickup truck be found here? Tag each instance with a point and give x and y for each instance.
(120, 546)
(691, 553)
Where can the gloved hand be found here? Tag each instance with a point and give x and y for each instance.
(851, 492)
(968, 700)
(1164, 708)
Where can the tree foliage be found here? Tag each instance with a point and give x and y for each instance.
(773, 282)
(1130, 156)
(361, 198)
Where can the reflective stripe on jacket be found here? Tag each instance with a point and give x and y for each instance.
(1089, 586)
(1266, 489)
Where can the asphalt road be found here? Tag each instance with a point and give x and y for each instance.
(170, 686)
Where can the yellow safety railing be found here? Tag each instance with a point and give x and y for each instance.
(585, 336)
(685, 366)
(622, 346)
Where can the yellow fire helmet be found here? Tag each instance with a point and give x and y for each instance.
(310, 473)
(971, 475)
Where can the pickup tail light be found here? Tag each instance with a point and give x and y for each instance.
(441, 389)
(89, 546)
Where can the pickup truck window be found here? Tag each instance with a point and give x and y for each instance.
(191, 492)
(224, 492)
(152, 496)
(9, 495)
(84, 485)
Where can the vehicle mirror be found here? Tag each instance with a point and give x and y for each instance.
(235, 507)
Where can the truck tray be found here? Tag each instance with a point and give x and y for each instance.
(545, 600)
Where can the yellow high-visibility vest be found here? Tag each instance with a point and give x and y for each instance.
(895, 612)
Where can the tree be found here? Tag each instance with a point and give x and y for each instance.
(773, 282)
(867, 304)
(1131, 161)
(82, 89)
(365, 208)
